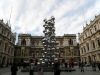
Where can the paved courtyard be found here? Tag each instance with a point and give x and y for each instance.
(88, 71)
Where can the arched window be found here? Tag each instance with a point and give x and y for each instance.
(33, 43)
(84, 49)
(70, 42)
(23, 42)
(92, 44)
(87, 45)
(98, 41)
(6, 46)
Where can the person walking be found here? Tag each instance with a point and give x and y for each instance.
(93, 66)
(79, 64)
(14, 69)
(57, 68)
(66, 65)
(98, 64)
(82, 66)
(40, 71)
(31, 72)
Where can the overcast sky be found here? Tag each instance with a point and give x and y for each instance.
(27, 15)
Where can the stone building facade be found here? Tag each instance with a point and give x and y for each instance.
(68, 47)
(90, 41)
(7, 44)
(31, 47)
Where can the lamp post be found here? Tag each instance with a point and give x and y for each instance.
(49, 41)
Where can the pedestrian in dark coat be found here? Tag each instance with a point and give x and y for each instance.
(79, 64)
(57, 68)
(31, 72)
(40, 71)
(93, 66)
(66, 65)
(82, 66)
(98, 64)
(14, 69)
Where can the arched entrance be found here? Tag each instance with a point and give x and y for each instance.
(89, 59)
(3, 61)
(8, 62)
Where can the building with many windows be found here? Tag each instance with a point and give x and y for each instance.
(90, 41)
(31, 47)
(7, 44)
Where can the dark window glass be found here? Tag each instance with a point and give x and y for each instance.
(70, 42)
(23, 42)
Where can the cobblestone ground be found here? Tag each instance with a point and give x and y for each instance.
(88, 71)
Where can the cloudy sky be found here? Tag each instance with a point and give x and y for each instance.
(27, 15)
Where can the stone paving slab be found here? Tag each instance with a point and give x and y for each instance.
(4, 70)
(62, 73)
(88, 71)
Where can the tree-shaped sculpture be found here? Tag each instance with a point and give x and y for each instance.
(49, 41)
